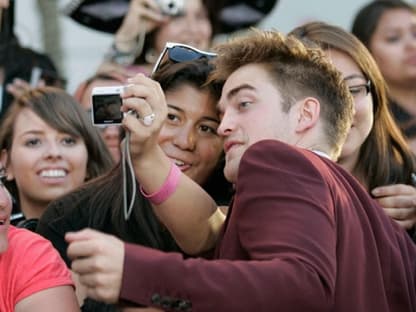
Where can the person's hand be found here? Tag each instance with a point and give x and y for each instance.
(399, 202)
(98, 259)
(143, 15)
(20, 86)
(145, 97)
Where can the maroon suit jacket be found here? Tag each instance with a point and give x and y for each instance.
(301, 235)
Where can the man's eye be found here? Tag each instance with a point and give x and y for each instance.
(244, 104)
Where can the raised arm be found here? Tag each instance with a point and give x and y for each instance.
(190, 214)
(142, 17)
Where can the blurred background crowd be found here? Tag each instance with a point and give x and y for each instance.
(78, 50)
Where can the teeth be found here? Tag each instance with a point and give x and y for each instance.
(2, 222)
(179, 162)
(55, 173)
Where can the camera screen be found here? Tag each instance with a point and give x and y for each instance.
(106, 109)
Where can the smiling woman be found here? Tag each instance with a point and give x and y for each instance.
(48, 148)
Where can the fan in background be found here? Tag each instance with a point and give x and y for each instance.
(227, 15)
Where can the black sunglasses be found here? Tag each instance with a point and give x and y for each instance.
(178, 52)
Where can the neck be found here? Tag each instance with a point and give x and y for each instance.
(32, 209)
(320, 149)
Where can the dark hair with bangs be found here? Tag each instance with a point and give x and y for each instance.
(60, 111)
(193, 73)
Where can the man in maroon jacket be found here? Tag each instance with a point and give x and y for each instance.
(301, 233)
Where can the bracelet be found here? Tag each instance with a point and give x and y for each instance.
(167, 189)
(119, 57)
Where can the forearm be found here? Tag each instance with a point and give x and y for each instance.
(190, 214)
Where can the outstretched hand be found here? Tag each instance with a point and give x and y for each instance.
(98, 259)
(145, 97)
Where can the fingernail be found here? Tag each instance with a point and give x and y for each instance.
(375, 191)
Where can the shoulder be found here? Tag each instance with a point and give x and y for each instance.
(30, 247)
(269, 154)
(33, 264)
(273, 167)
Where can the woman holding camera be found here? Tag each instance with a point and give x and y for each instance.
(187, 137)
(149, 24)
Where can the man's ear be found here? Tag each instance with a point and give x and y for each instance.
(4, 160)
(309, 112)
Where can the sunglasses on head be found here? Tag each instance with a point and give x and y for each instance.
(178, 52)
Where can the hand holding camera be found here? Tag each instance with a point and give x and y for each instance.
(144, 16)
(172, 7)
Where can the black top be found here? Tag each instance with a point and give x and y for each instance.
(78, 210)
(404, 119)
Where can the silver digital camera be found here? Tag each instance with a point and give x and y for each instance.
(106, 104)
(172, 7)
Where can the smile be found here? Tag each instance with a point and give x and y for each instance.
(53, 173)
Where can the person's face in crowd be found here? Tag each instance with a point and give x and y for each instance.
(364, 117)
(251, 113)
(110, 134)
(393, 46)
(189, 135)
(44, 162)
(193, 28)
(5, 211)
(4, 4)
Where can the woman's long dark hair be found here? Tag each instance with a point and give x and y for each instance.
(105, 193)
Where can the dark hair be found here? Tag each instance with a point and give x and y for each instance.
(385, 157)
(59, 110)
(298, 71)
(368, 17)
(106, 192)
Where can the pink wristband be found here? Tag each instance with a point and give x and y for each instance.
(167, 189)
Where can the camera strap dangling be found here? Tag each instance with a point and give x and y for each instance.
(126, 158)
